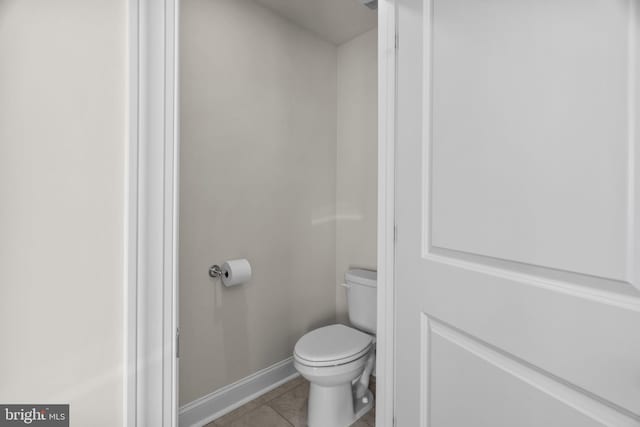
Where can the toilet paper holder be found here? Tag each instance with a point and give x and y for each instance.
(215, 271)
(232, 272)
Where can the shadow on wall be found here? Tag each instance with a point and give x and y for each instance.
(233, 319)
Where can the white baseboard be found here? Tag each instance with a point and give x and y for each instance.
(214, 405)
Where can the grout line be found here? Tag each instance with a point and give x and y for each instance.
(246, 414)
(282, 416)
(268, 404)
(284, 391)
(301, 384)
(265, 403)
(236, 417)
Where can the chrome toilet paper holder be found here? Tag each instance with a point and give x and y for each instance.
(232, 272)
(215, 271)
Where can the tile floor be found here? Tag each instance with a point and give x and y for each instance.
(285, 406)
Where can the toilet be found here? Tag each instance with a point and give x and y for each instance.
(337, 360)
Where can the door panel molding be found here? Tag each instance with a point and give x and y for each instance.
(574, 398)
(574, 335)
(633, 142)
(425, 368)
(615, 243)
(586, 291)
(613, 288)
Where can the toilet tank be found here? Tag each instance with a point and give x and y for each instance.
(362, 298)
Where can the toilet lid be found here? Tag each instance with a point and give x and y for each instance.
(332, 345)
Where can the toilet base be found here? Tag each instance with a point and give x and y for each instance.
(363, 405)
(335, 406)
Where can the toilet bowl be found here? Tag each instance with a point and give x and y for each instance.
(332, 358)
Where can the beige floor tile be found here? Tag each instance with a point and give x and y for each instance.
(280, 390)
(284, 406)
(370, 417)
(225, 420)
(292, 405)
(250, 406)
(263, 416)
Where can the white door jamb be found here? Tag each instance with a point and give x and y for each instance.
(387, 50)
(150, 386)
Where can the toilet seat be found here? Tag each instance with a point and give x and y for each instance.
(332, 346)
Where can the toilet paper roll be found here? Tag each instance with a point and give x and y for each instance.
(236, 272)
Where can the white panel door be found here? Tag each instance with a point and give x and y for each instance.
(518, 213)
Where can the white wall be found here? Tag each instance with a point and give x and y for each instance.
(62, 140)
(258, 170)
(357, 158)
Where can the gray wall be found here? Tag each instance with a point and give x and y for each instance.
(258, 171)
(62, 144)
(357, 159)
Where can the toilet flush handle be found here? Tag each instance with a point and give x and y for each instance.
(345, 285)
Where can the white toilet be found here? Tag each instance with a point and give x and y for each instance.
(337, 360)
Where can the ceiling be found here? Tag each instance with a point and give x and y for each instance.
(337, 21)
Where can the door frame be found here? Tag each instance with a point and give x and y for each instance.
(151, 217)
(387, 107)
(150, 391)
